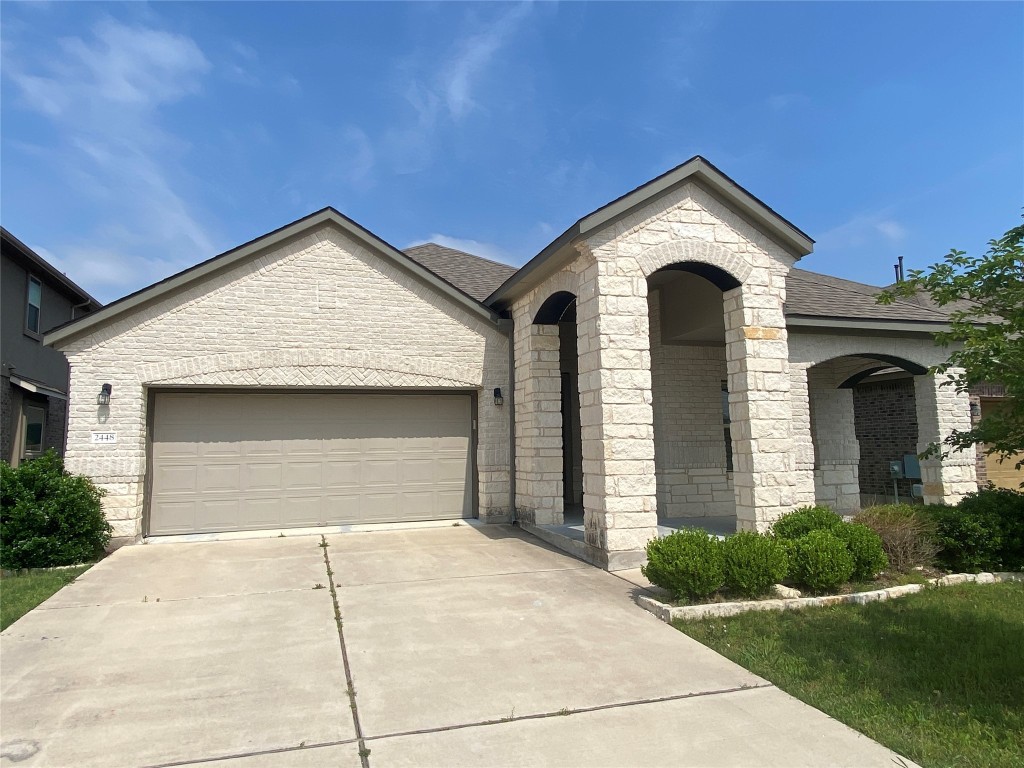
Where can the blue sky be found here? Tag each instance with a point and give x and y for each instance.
(140, 139)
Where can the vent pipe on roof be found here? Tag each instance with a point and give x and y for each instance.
(900, 260)
(896, 269)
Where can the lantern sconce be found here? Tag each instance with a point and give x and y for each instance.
(498, 399)
(103, 398)
(975, 410)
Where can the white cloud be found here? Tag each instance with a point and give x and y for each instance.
(103, 92)
(461, 74)
(863, 231)
(474, 247)
(892, 230)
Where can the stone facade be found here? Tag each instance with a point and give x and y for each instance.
(319, 312)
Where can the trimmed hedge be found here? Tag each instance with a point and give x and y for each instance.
(688, 563)
(821, 561)
(865, 546)
(753, 563)
(793, 525)
(49, 517)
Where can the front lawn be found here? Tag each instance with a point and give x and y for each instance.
(937, 676)
(20, 593)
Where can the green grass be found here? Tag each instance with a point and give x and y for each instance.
(21, 593)
(937, 676)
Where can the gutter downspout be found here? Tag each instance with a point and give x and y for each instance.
(508, 326)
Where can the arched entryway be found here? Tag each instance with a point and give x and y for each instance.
(694, 455)
(559, 311)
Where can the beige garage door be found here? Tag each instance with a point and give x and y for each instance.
(1003, 473)
(230, 462)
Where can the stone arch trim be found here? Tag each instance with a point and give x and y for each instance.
(566, 281)
(700, 251)
(310, 367)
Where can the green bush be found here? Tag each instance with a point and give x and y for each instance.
(821, 561)
(1006, 507)
(687, 563)
(865, 546)
(753, 563)
(969, 541)
(907, 533)
(49, 517)
(792, 525)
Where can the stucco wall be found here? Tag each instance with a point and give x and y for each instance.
(320, 311)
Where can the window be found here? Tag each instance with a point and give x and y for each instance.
(34, 303)
(35, 421)
(727, 426)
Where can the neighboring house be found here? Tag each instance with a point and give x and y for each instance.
(36, 298)
(661, 361)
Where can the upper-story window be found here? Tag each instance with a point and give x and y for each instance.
(33, 304)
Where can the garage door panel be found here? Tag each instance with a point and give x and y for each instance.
(214, 478)
(251, 461)
(303, 475)
(263, 476)
(177, 479)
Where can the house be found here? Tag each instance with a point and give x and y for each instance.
(33, 401)
(662, 361)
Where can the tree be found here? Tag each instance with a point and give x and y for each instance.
(986, 336)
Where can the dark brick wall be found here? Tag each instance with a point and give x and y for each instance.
(886, 426)
(56, 424)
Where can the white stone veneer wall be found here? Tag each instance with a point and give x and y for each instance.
(939, 408)
(318, 312)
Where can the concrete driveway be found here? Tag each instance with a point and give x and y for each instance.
(461, 646)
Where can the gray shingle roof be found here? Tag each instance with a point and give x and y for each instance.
(475, 275)
(810, 294)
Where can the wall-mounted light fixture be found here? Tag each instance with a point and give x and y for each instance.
(103, 398)
(975, 410)
(498, 399)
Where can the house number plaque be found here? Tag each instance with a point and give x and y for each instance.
(105, 438)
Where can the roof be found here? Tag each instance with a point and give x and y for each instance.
(56, 278)
(812, 295)
(64, 333)
(698, 169)
(475, 275)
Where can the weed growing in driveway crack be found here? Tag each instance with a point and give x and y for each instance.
(564, 711)
(318, 585)
(364, 752)
(324, 544)
(511, 716)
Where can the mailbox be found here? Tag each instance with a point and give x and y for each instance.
(896, 470)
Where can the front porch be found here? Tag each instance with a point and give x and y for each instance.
(570, 535)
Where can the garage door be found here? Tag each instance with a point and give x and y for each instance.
(229, 462)
(1003, 473)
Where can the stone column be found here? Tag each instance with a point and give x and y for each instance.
(803, 443)
(619, 486)
(538, 422)
(757, 353)
(836, 449)
(940, 410)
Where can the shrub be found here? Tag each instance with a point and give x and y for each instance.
(967, 542)
(753, 563)
(803, 520)
(865, 546)
(49, 517)
(821, 561)
(687, 563)
(906, 531)
(1006, 508)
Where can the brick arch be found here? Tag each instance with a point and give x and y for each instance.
(566, 281)
(309, 367)
(700, 251)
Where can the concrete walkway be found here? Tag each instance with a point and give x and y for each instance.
(462, 646)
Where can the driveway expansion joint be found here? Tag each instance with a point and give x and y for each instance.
(570, 712)
(256, 753)
(364, 752)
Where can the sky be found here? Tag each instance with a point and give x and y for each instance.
(137, 139)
